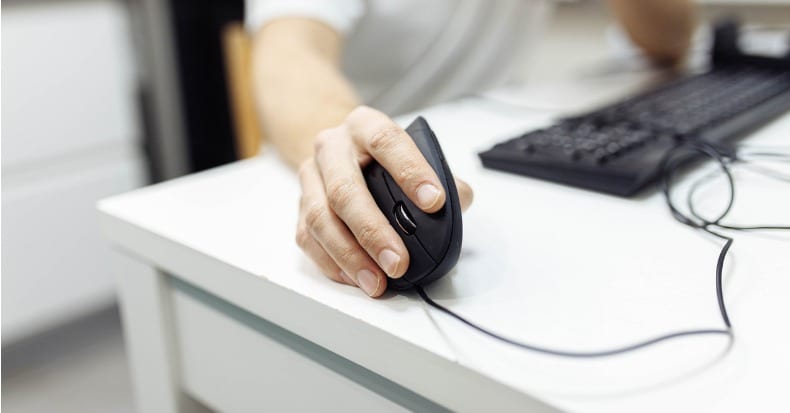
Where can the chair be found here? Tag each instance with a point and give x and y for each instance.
(237, 49)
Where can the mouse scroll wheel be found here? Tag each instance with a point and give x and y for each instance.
(404, 219)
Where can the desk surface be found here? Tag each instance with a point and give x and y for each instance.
(543, 263)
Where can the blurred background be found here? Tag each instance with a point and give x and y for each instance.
(103, 96)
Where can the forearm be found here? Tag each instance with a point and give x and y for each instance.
(298, 85)
(661, 28)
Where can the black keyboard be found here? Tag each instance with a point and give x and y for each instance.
(618, 149)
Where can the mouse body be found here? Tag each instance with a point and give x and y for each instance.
(433, 240)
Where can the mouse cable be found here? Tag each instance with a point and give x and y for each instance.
(670, 165)
(568, 353)
(741, 161)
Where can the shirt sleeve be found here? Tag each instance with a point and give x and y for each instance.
(341, 15)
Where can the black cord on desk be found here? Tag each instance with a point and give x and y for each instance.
(670, 165)
(568, 353)
(737, 161)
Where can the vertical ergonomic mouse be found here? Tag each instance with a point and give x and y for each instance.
(433, 240)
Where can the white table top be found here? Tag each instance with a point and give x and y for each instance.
(544, 263)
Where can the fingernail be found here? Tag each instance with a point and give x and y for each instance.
(368, 281)
(389, 261)
(427, 195)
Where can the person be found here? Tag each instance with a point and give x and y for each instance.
(320, 67)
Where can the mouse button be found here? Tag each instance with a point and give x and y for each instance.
(428, 144)
(404, 219)
(427, 148)
(433, 230)
(375, 178)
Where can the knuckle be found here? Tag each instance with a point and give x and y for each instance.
(347, 254)
(315, 216)
(385, 139)
(409, 171)
(340, 194)
(360, 112)
(369, 234)
(322, 139)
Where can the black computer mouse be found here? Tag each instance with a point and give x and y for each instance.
(433, 240)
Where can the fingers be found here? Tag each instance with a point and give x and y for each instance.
(348, 196)
(340, 226)
(334, 237)
(465, 194)
(340, 245)
(375, 133)
(324, 262)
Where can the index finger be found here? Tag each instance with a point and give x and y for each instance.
(392, 147)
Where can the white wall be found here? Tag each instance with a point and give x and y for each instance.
(69, 137)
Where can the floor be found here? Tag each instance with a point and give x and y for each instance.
(80, 367)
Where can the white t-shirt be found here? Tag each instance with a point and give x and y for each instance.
(405, 54)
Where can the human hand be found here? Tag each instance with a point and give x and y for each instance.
(340, 226)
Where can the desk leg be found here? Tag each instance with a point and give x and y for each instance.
(147, 322)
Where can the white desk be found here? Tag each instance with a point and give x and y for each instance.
(239, 319)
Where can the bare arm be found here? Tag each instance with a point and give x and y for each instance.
(298, 84)
(311, 113)
(661, 28)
